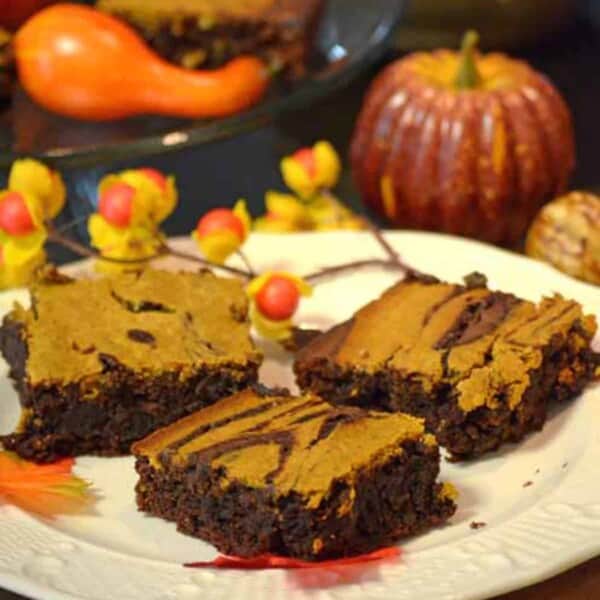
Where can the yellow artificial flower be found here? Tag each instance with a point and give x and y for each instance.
(328, 214)
(323, 212)
(285, 214)
(131, 243)
(141, 203)
(222, 231)
(155, 195)
(21, 274)
(22, 231)
(32, 177)
(271, 330)
(310, 170)
(271, 310)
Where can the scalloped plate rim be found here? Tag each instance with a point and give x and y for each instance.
(407, 243)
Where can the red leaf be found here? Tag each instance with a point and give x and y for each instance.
(271, 561)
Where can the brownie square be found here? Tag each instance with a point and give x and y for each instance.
(208, 33)
(265, 472)
(101, 363)
(480, 366)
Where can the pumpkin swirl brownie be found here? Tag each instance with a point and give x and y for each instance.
(480, 366)
(263, 471)
(101, 363)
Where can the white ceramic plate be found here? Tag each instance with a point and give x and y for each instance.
(532, 532)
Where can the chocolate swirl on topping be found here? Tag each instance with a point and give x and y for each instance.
(284, 439)
(251, 412)
(288, 413)
(477, 320)
(328, 426)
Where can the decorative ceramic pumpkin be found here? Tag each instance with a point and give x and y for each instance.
(463, 143)
(566, 234)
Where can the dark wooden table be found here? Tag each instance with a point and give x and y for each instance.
(572, 61)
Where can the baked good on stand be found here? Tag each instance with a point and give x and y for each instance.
(200, 33)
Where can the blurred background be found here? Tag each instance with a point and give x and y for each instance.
(561, 38)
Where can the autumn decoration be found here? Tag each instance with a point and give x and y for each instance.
(462, 142)
(46, 490)
(311, 174)
(71, 59)
(125, 229)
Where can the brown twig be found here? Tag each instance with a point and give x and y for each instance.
(82, 250)
(378, 235)
(202, 261)
(163, 250)
(246, 262)
(392, 263)
(351, 266)
(69, 224)
(394, 257)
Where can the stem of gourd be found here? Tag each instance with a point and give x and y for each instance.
(467, 76)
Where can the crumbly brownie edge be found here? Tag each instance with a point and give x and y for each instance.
(341, 385)
(127, 406)
(566, 369)
(398, 498)
(13, 348)
(568, 365)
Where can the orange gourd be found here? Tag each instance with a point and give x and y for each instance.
(81, 63)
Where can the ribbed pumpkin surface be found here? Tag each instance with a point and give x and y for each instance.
(475, 162)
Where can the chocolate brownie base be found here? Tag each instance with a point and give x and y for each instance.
(127, 407)
(501, 409)
(397, 499)
(271, 473)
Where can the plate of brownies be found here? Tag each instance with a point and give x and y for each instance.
(445, 420)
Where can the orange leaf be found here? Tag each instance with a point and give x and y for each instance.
(46, 490)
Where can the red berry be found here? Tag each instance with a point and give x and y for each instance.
(306, 157)
(15, 218)
(220, 219)
(278, 299)
(116, 204)
(159, 179)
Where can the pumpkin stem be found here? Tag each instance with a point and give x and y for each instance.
(467, 76)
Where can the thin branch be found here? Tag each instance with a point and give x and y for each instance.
(378, 235)
(351, 266)
(69, 224)
(82, 250)
(57, 237)
(392, 263)
(246, 262)
(394, 257)
(206, 263)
